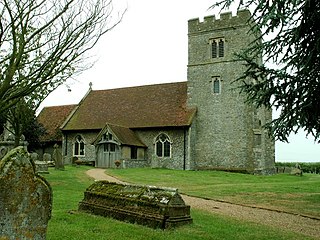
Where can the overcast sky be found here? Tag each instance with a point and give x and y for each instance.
(150, 46)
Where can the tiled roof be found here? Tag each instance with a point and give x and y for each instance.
(160, 105)
(52, 118)
(125, 135)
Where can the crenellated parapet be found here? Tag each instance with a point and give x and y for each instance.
(226, 20)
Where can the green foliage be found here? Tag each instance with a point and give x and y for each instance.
(66, 223)
(305, 167)
(32, 133)
(289, 79)
(23, 120)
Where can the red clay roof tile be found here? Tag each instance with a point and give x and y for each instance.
(160, 105)
(52, 118)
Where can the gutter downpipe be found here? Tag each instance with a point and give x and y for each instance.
(184, 147)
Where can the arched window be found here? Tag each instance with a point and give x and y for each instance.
(216, 85)
(217, 47)
(214, 49)
(221, 48)
(78, 148)
(163, 146)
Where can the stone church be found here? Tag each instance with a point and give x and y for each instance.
(203, 123)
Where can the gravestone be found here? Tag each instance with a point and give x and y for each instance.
(296, 170)
(25, 198)
(41, 167)
(7, 141)
(146, 205)
(34, 156)
(57, 158)
(46, 157)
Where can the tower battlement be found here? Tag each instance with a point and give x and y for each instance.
(226, 20)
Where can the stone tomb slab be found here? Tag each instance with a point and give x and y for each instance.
(145, 205)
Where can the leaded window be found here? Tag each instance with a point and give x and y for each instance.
(163, 146)
(214, 49)
(216, 85)
(79, 149)
(217, 47)
(221, 48)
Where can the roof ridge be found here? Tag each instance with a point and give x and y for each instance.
(117, 125)
(140, 86)
(64, 105)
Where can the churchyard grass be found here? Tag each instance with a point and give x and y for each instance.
(284, 192)
(66, 223)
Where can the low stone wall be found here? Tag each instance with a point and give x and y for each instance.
(150, 206)
(134, 163)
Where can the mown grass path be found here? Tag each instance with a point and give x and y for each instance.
(294, 222)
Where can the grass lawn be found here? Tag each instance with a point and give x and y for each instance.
(66, 223)
(282, 192)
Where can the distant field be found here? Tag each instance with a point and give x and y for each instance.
(282, 191)
(69, 185)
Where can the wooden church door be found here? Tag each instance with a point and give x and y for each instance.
(111, 152)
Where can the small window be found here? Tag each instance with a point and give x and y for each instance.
(217, 47)
(214, 49)
(107, 136)
(257, 139)
(110, 137)
(134, 152)
(163, 146)
(221, 48)
(78, 149)
(216, 85)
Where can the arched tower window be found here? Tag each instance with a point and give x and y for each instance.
(78, 147)
(214, 49)
(217, 47)
(221, 48)
(163, 146)
(216, 85)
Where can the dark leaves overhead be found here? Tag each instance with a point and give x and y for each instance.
(289, 78)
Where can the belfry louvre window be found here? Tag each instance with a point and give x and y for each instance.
(217, 47)
(163, 146)
(78, 149)
(221, 48)
(214, 49)
(216, 85)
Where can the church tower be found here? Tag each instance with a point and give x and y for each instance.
(227, 133)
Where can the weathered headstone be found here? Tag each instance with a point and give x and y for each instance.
(34, 156)
(46, 157)
(296, 170)
(57, 158)
(3, 151)
(7, 141)
(146, 205)
(25, 198)
(41, 167)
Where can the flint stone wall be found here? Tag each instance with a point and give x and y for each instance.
(145, 205)
(25, 198)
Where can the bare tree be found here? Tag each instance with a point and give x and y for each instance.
(45, 42)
